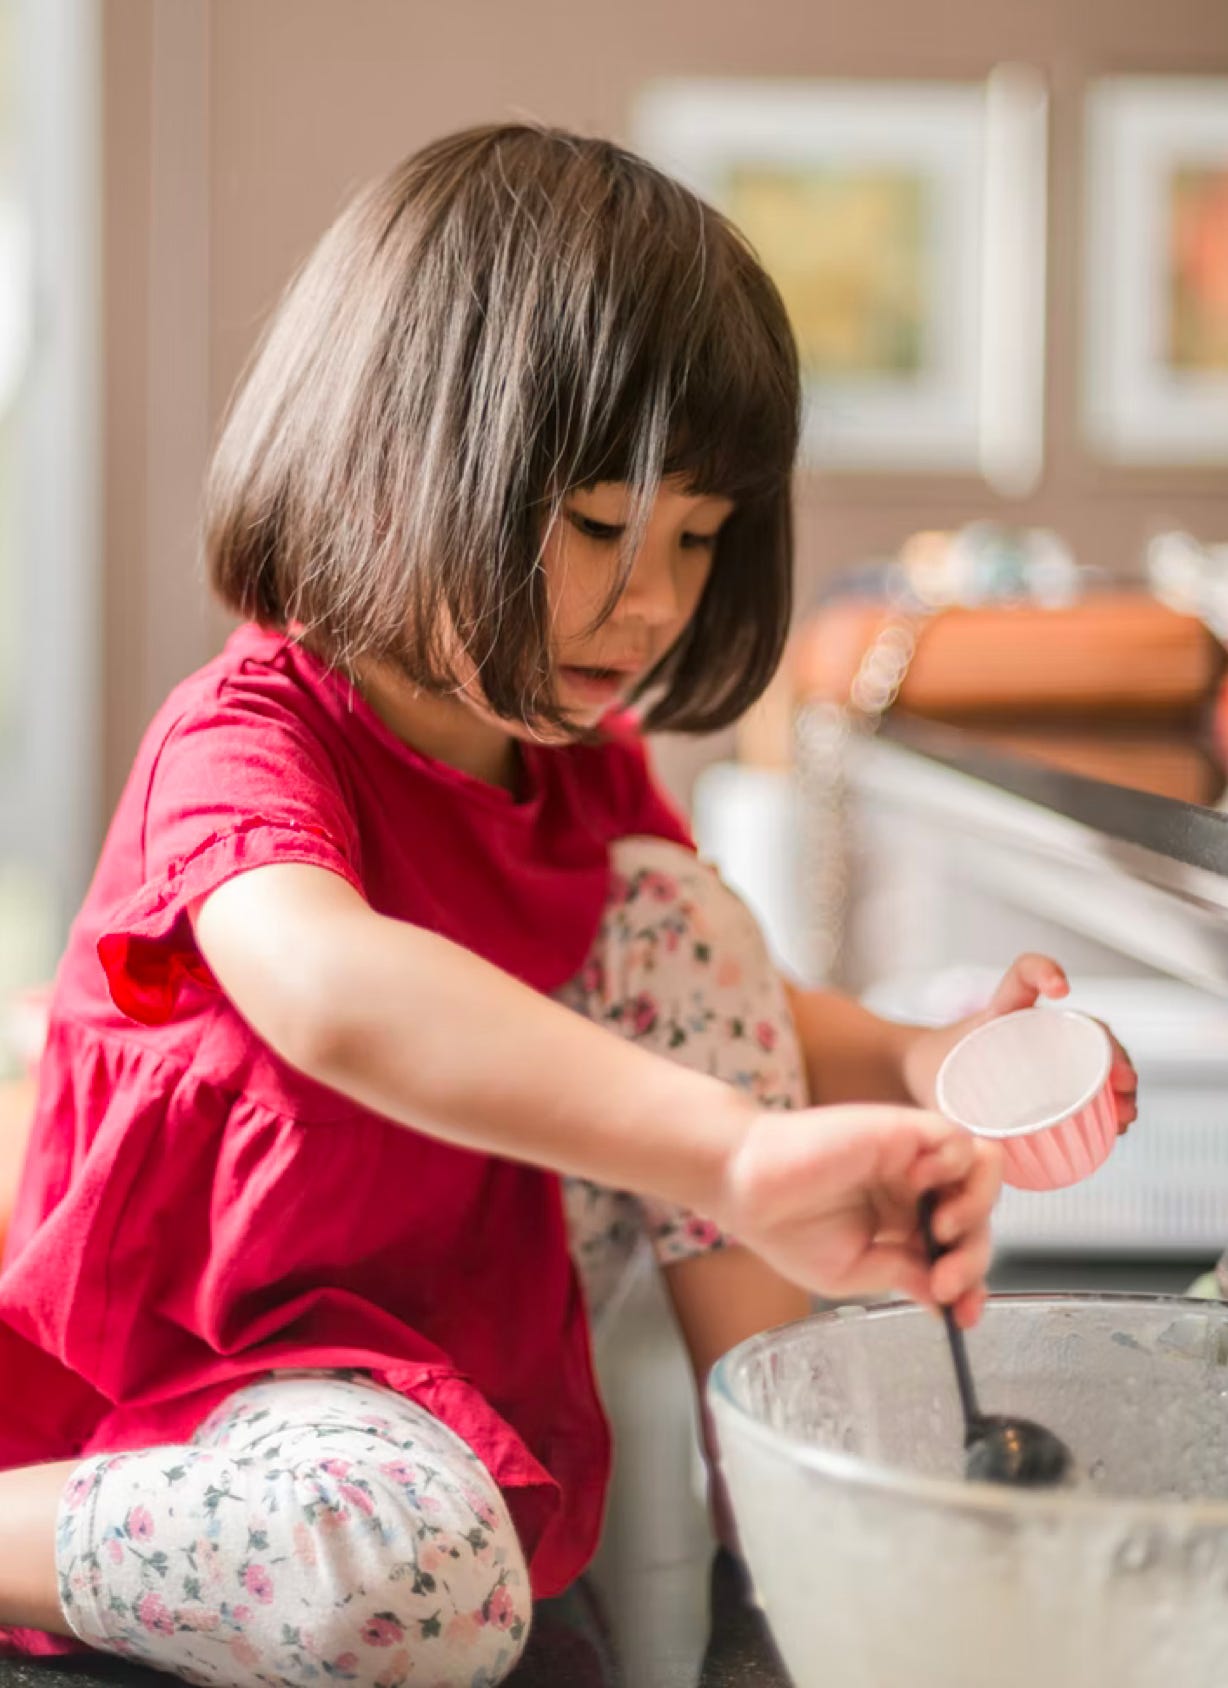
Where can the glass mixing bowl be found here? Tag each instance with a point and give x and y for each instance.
(879, 1566)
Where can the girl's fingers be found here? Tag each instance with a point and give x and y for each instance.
(969, 1307)
(1027, 978)
(948, 1163)
(956, 1161)
(1124, 1083)
(970, 1171)
(1125, 1101)
(886, 1267)
(962, 1270)
(971, 1204)
(1122, 1075)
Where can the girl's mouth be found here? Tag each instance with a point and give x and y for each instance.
(596, 685)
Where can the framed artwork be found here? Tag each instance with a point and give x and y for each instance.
(1155, 269)
(904, 223)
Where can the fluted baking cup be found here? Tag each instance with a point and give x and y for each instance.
(1036, 1081)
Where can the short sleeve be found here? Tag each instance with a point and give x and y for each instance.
(239, 783)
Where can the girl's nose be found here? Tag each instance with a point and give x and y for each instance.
(651, 593)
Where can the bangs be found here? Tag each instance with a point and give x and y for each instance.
(710, 393)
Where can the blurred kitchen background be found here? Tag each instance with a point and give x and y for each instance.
(1002, 232)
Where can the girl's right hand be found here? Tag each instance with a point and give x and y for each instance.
(828, 1196)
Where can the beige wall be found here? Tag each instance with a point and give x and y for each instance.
(235, 128)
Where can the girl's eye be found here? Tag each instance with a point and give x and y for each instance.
(609, 533)
(593, 529)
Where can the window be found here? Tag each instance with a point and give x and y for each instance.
(49, 621)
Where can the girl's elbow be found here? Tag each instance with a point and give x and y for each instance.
(306, 1027)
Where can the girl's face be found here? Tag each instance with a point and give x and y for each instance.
(596, 667)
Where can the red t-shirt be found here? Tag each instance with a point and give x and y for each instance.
(194, 1212)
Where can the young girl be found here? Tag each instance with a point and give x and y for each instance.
(391, 928)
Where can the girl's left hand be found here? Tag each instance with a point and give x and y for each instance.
(1027, 979)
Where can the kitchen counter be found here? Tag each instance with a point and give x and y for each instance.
(1119, 839)
(1155, 792)
(568, 1649)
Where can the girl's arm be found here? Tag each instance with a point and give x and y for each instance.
(431, 1036)
(851, 1053)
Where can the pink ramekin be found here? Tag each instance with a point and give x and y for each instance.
(1037, 1081)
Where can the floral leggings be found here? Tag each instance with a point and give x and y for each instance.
(321, 1527)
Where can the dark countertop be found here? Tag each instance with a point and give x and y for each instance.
(569, 1648)
(1154, 791)
(739, 1652)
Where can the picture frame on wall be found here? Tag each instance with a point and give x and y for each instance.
(905, 225)
(1155, 271)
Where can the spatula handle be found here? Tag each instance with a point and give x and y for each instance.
(959, 1354)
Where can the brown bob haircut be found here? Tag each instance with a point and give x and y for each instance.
(513, 313)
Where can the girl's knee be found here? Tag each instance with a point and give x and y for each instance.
(655, 871)
(411, 1576)
(659, 871)
(672, 914)
(682, 966)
